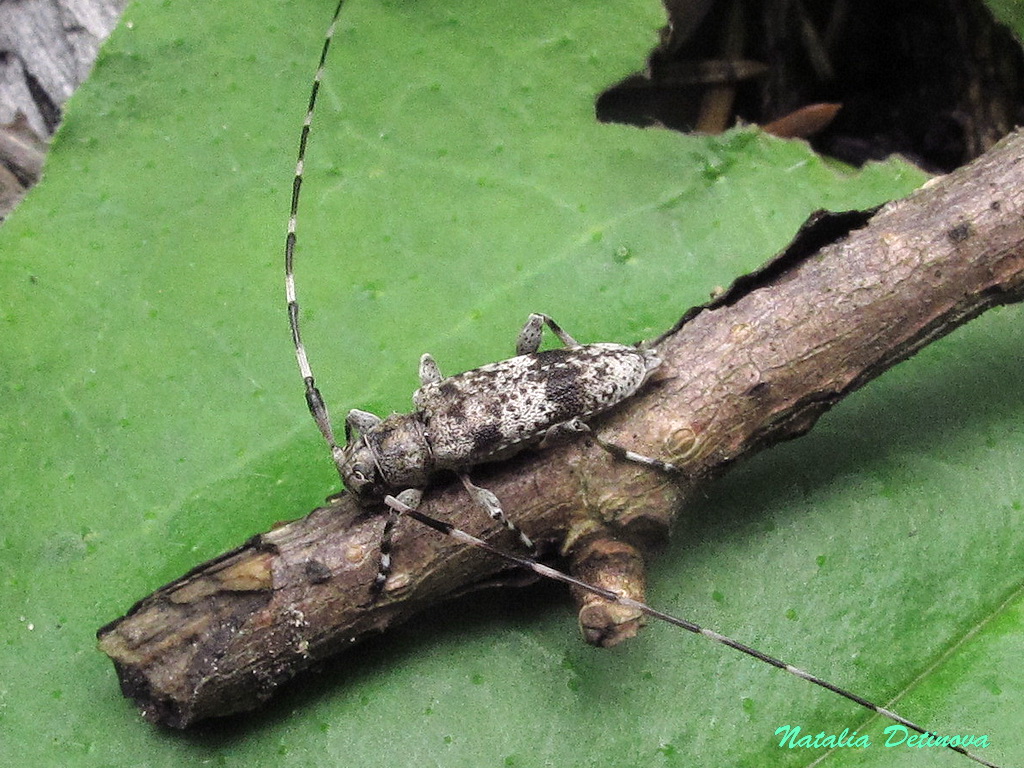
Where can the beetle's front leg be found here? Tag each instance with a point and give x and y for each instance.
(411, 497)
(359, 422)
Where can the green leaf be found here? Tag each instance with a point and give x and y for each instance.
(152, 415)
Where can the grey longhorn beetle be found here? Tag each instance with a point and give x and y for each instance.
(488, 414)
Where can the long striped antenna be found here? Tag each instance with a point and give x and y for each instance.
(316, 404)
(550, 573)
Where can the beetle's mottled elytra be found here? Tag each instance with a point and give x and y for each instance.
(489, 413)
(512, 402)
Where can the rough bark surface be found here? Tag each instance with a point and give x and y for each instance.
(854, 294)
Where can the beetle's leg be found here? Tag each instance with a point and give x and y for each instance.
(561, 432)
(429, 372)
(529, 338)
(360, 422)
(580, 426)
(410, 497)
(492, 506)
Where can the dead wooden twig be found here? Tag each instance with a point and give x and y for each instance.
(852, 296)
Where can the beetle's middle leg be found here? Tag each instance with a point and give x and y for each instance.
(490, 504)
(529, 338)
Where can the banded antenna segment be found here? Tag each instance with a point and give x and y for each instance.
(317, 406)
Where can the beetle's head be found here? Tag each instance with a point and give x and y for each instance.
(360, 471)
